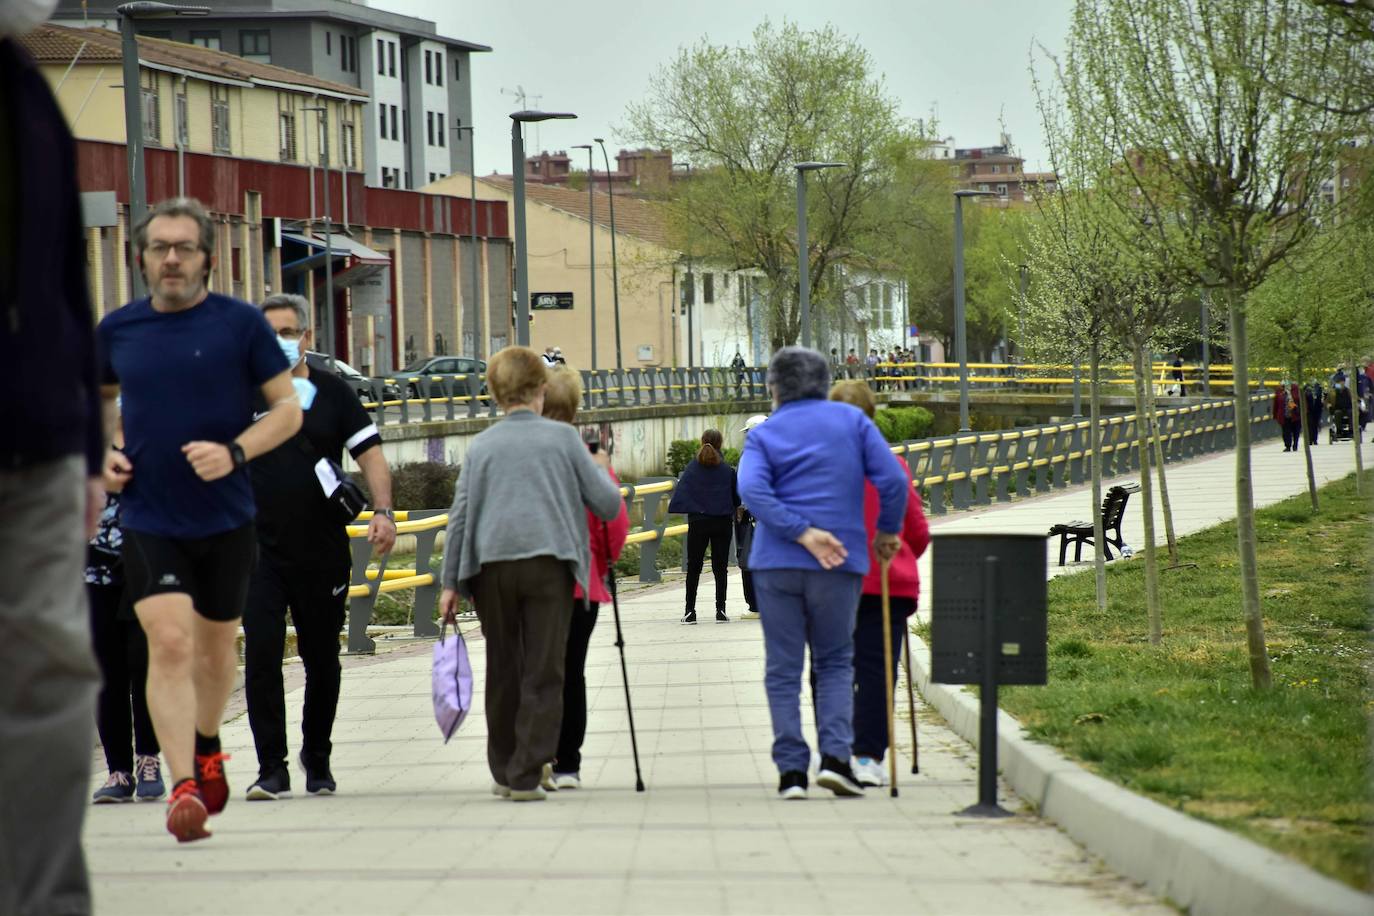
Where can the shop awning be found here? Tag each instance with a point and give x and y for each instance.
(362, 262)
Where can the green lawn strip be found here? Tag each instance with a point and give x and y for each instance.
(1179, 722)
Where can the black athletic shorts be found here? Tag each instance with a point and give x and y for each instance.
(213, 570)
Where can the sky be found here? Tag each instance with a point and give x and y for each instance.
(968, 61)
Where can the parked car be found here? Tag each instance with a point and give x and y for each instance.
(440, 365)
(360, 383)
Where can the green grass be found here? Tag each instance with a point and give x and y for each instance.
(1179, 722)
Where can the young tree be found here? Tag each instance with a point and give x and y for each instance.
(745, 116)
(1217, 161)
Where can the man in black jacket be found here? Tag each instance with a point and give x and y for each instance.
(304, 560)
(50, 492)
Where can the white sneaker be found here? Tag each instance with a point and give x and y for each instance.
(567, 781)
(869, 772)
(526, 795)
(500, 791)
(546, 778)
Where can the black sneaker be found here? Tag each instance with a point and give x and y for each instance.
(720, 616)
(318, 779)
(271, 786)
(689, 617)
(792, 786)
(836, 776)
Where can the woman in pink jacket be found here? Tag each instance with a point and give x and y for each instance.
(607, 539)
(904, 587)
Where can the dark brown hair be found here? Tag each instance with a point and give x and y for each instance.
(711, 441)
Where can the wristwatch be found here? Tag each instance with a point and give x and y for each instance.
(386, 513)
(236, 453)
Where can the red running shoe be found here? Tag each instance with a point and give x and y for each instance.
(186, 814)
(210, 775)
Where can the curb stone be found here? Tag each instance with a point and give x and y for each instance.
(1200, 867)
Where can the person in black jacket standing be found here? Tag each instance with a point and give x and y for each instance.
(304, 560)
(706, 491)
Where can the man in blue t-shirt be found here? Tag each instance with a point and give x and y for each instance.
(188, 363)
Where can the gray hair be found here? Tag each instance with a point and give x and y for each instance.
(289, 301)
(178, 206)
(797, 373)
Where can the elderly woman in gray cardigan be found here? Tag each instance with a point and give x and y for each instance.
(516, 543)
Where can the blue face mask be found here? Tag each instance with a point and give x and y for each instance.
(305, 390)
(292, 349)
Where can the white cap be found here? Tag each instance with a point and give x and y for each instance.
(753, 421)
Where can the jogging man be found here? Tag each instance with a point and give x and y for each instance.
(304, 560)
(189, 363)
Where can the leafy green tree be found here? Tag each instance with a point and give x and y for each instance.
(745, 116)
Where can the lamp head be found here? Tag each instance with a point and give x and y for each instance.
(969, 192)
(528, 116)
(152, 9)
(813, 166)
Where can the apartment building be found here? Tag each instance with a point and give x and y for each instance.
(417, 83)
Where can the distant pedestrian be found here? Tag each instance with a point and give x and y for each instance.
(1285, 413)
(50, 490)
(548, 357)
(708, 495)
(870, 693)
(605, 540)
(517, 545)
(189, 363)
(739, 366)
(1315, 405)
(802, 475)
(1178, 374)
(305, 560)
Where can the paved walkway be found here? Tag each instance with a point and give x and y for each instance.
(414, 829)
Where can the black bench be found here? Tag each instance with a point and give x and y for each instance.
(1113, 510)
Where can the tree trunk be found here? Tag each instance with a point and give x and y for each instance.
(1354, 382)
(1307, 443)
(1260, 676)
(1147, 500)
(1165, 506)
(1095, 449)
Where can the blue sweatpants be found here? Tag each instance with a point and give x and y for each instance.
(801, 608)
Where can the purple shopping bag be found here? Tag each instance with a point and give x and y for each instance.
(452, 681)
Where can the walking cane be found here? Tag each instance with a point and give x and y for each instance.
(624, 673)
(911, 705)
(888, 685)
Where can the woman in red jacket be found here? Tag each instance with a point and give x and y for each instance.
(561, 398)
(904, 587)
(1286, 413)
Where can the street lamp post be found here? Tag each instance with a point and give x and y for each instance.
(615, 263)
(328, 347)
(691, 297)
(1021, 316)
(591, 240)
(476, 309)
(960, 329)
(522, 268)
(803, 249)
(133, 107)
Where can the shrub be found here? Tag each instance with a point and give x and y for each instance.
(898, 424)
(419, 485)
(682, 451)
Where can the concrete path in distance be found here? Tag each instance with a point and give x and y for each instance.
(415, 830)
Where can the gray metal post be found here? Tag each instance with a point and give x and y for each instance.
(615, 262)
(133, 143)
(591, 237)
(522, 280)
(691, 307)
(328, 246)
(1206, 345)
(477, 343)
(803, 260)
(960, 333)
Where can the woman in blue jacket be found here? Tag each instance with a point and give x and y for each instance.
(707, 493)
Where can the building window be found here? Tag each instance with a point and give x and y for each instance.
(348, 48)
(256, 45)
(286, 135)
(440, 120)
(457, 75)
(888, 313)
(1001, 190)
(429, 68)
(329, 43)
(381, 57)
(183, 131)
(431, 178)
(219, 117)
(381, 122)
(206, 40)
(438, 68)
(429, 127)
(708, 288)
(349, 142)
(395, 134)
(996, 169)
(405, 124)
(982, 187)
(152, 111)
(408, 188)
(391, 57)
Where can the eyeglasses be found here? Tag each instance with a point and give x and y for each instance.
(290, 333)
(184, 250)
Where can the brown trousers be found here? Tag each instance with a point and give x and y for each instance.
(525, 607)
